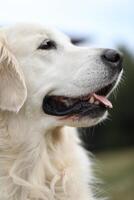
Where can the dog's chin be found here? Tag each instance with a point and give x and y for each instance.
(77, 121)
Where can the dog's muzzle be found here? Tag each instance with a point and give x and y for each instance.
(90, 105)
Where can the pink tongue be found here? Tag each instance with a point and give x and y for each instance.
(103, 100)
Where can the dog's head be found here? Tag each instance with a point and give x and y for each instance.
(44, 75)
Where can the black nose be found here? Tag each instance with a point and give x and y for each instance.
(113, 58)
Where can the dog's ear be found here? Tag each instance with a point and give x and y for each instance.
(13, 90)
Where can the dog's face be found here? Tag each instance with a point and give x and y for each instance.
(53, 80)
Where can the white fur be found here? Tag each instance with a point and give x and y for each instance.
(39, 160)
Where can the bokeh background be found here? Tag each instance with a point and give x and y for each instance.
(98, 23)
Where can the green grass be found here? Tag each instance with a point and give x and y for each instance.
(117, 172)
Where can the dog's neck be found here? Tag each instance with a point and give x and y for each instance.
(29, 161)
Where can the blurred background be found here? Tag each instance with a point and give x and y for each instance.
(98, 23)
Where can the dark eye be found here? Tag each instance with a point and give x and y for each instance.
(47, 45)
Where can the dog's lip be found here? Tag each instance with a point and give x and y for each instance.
(64, 106)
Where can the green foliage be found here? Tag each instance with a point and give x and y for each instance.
(116, 171)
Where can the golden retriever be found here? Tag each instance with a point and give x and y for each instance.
(47, 87)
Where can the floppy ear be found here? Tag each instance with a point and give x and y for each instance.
(13, 90)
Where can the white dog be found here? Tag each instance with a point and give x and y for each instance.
(47, 83)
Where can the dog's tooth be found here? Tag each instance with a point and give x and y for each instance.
(91, 100)
(97, 102)
(66, 102)
(69, 102)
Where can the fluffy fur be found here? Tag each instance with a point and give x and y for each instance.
(40, 157)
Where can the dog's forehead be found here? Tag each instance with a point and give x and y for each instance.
(24, 31)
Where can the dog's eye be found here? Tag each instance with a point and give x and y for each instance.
(47, 45)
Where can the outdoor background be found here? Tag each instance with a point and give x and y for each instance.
(98, 23)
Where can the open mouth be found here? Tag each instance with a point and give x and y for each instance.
(92, 105)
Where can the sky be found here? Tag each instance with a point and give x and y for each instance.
(107, 23)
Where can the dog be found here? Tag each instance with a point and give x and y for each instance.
(48, 86)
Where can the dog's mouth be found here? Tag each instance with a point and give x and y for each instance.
(92, 105)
